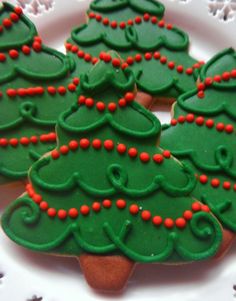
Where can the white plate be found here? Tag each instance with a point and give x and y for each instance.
(27, 274)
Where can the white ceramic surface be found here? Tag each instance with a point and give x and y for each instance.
(25, 275)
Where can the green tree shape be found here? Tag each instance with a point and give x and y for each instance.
(156, 52)
(36, 84)
(107, 188)
(202, 133)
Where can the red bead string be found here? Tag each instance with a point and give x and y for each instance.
(12, 19)
(123, 24)
(101, 106)
(25, 141)
(34, 91)
(216, 183)
(134, 209)
(109, 145)
(201, 121)
(209, 81)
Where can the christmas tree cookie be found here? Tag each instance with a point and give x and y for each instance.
(107, 194)
(36, 84)
(202, 133)
(156, 51)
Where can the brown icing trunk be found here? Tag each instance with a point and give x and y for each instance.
(106, 273)
(145, 100)
(228, 238)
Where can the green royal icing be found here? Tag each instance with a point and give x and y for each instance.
(33, 114)
(151, 76)
(82, 176)
(209, 151)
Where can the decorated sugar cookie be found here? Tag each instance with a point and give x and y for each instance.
(107, 194)
(202, 133)
(156, 51)
(35, 86)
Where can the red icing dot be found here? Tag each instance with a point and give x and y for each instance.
(51, 90)
(73, 145)
(148, 56)
(163, 60)
(18, 10)
(98, 17)
(215, 183)
(190, 118)
(11, 92)
(130, 22)
(146, 17)
(64, 149)
(234, 187)
(97, 144)
(100, 106)
(180, 223)
(87, 57)
(112, 107)
(171, 65)
(43, 206)
(210, 123)
(121, 148)
(14, 17)
(181, 119)
(201, 86)
(205, 208)
(72, 87)
(217, 78)
(122, 102)
(233, 73)
(188, 215)
(122, 25)
(3, 142)
(52, 136)
(201, 94)
(105, 21)
(199, 120)
(173, 122)
(129, 97)
(229, 128)
(55, 154)
(226, 76)
(180, 69)
(134, 209)
(2, 57)
(14, 142)
(76, 81)
(157, 220)
(13, 54)
(80, 54)
(158, 158)
(157, 55)
(109, 145)
(226, 185)
(37, 46)
(169, 26)
(196, 206)
(62, 214)
(220, 127)
(114, 24)
(89, 102)
(61, 90)
(96, 206)
(39, 90)
(107, 57)
(121, 204)
(116, 62)
(133, 152)
(84, 210)
(138, 20)
(203, 179)
(24, 141)
(84, 143)
(130, 60)
(161, 23)
(154, 20)
(146, 215)
(189, 71)
(208, 81)
(138, 57)
(73, 213)
(107, 203)
(169, 223)
(7, 23)
(166, 154)
(92, 15)
(52, 212)
(81, 100)
(124, 66)
(144, 157)
(34, 139)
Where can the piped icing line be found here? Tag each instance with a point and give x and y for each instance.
(216, 183)
(26, 141)
(201, 121)
(39, 90)
(137, 20)
(121, 204)
(110, 145)
(117, 63)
